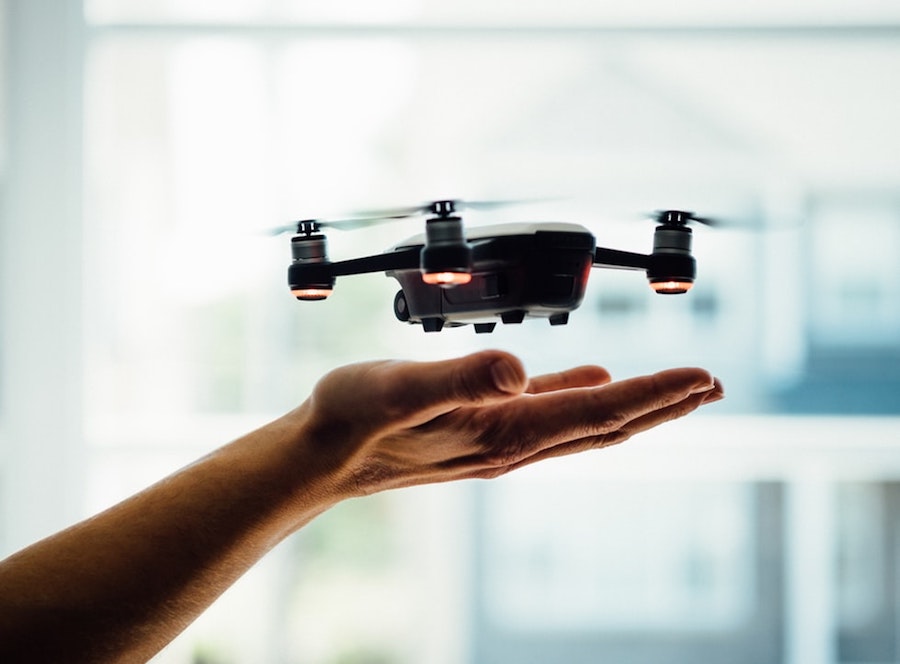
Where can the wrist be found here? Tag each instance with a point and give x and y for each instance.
(301, 469)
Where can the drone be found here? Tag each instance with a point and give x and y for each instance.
(499, 273)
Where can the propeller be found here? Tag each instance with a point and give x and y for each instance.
(309, 226)
(683, 218)
(752, 222)
(366, 218)
(442, 208)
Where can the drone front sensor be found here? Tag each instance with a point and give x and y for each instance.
(504, 273)
(448, 278)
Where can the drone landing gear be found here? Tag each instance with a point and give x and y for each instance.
(436, 323)
(512, 317)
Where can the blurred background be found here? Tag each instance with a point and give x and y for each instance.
(145, 319)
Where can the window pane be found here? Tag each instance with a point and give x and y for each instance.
(681, 558)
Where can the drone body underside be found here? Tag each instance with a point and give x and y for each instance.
(533, 273)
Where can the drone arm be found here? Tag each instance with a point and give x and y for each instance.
(314, 279)
(670, 270)
(625, 260)
(402, 259)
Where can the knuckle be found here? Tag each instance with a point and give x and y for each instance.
(607, 421)
(501, 448)
(496, 456)
(683, 408)
(610, 439)
(490, 473)
(464, 387)
(659, 393)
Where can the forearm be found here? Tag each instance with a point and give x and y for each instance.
(125, 582)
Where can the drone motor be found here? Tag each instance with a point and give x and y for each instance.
(446, 258)
(672, 268)
(310, 248)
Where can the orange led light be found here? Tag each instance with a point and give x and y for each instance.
(446, 278)
(671, 287)
(311, 293)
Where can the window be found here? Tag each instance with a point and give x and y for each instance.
(855, 241)
(172, 331)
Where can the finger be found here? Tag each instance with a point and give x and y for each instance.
(424, 390)
(554, 418)
(510, 452)
(673, 412)
(610, 407)
(586, 376)
(633, 428)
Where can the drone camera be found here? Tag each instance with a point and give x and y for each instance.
(308, 274)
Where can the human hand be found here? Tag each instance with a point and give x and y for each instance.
(132, 577)
(391, 424)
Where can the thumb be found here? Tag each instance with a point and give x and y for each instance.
(428, 389)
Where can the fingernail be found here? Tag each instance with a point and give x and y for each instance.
(703, 387)
(716, 394)
(506, 377)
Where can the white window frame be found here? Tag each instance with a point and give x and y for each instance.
(40, 251)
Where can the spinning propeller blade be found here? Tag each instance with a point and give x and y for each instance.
(313, 225)
(442, 207)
